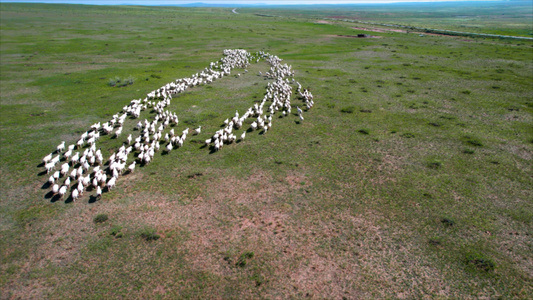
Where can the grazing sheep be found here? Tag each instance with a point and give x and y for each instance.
(47, 158)
(55, 188)
(75, 195)
(98, 192)
(111, 183)
(61, 147)
(198, 130)
(49, 167)
(62, 191)
(278, 92)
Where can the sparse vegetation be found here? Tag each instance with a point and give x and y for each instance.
(118, 82)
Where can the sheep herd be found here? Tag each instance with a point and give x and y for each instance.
(88, 167)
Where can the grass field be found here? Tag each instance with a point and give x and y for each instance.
(410, 178)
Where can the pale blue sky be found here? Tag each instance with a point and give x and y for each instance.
(237, 2)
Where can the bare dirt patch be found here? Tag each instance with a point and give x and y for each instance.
(374, 29)
(384, 30)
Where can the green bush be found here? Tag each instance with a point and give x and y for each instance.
(116, 231)
(479, 262)
(100, 218)
(149, 234)
(242, 261)
(348, 109)
(434, 164)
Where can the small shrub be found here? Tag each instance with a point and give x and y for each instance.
(100, 218)
(258, 279)
(242, 261)
(435, 242)
(113, 81)
(348, 109)
(407, 135)
(434, 164)
(466, 92)
(149, 234)
(447, 222)
(116, 231)
(468, 151)
(129, 81)
(474, 142)
(480, 262)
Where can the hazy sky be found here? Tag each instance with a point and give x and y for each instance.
(172, 2)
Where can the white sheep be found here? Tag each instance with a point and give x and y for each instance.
(47, 158)
(61, 147)
(55, 188)
(62, 191)
(132, 167)
(111, 183)
(98, 192)
(198, 130)
(75, 195)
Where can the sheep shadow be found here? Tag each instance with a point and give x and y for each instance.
(40, 165)
(42, 173)
(46, 185)
(212, 150)
(93, 199)
(55, 198)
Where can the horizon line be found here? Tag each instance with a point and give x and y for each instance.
(241, 2)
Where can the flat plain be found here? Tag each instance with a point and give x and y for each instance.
(411, 177)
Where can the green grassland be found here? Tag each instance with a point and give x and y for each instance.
(491, 17)
(410, 178)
